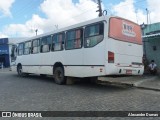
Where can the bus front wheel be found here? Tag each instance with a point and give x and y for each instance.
(59, 76)
(19, 70)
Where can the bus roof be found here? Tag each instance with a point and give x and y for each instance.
(73, 26)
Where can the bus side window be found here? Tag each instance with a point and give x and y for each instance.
(20, 49)
(27, 48)
(35, 46)
(74, 39)
(58, 42)
(94, 34)
(45, 44)
(78, 40)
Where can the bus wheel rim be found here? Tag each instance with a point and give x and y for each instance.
(59, 75)
(20, 71)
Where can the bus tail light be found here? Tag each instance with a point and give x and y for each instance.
(110, 57)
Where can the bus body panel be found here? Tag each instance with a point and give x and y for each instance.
(124, 41)
(79, 63)
(92, 61)
(126, 53)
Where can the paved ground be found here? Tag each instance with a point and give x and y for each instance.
(152, 83)
(35, 93)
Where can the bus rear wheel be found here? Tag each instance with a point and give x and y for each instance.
(59, 76)
(43, 75)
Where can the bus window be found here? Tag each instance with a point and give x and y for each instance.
(20, 49)
(74, 39)
(45, 44)
(27, 47)
(58, 42)
(94, 34)
(35, 46)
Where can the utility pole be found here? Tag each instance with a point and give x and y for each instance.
(99, 8)
(56, 26)
(36, 31)
(147, 15)
(136, 17)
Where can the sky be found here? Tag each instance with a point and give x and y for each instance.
(20, 18)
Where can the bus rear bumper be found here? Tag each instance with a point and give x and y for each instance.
(125, 71)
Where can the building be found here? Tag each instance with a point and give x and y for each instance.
(151, 42)
(5, 50)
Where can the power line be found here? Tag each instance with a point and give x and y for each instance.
(26, 8)
(30, 5)
(130, 4)
(87, 10)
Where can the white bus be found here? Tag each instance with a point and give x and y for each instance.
(99, 47)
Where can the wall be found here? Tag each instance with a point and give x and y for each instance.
(153, 50)
(151, 43)
(4, 52)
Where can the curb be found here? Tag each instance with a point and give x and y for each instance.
(137, 84)
(148, 88)
(140, 85)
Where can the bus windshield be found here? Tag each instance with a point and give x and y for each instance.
(124, 30)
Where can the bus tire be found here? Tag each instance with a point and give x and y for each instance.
(43, 75)
(59, 76)
(19, 70)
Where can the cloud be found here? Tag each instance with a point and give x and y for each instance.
(27, 29)
(66, 12)
(120, 9)
(63, 13)
(58, 12)
(3, 35)
(154, 9)
(127, 10)
(5, 6)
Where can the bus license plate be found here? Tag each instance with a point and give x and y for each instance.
(128, 71)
